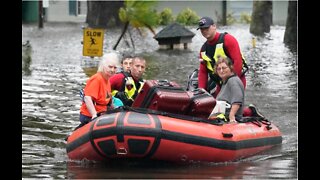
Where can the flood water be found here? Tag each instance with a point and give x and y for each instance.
(51, 102)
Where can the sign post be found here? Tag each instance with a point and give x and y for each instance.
(93, 42)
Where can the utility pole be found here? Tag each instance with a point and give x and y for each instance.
(40, 15)
(224, 12)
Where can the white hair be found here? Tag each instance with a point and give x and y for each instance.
(108, 59)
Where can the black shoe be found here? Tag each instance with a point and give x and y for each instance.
(255, 112)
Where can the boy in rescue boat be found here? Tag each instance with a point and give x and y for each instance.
(126, 86)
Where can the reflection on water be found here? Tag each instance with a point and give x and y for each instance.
(50, 103)
(262, 169)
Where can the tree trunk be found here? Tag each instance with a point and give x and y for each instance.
(40, 14)
(290, 34)
(261, 18)
(123, 32)
(130, 35)
(224, 12)
(103, 14)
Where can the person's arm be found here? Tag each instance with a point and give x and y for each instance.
(116, 81)
(237, 96)
(90, 106)
(234, 108)
(202, 75)
(232, 46)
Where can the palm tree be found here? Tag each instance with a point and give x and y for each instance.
(261, 18)
(138, 14)
(290, 33)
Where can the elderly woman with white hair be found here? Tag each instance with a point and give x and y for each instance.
(97, 92)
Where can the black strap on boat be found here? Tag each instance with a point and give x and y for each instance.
(91, 139)
(257, 121)
(217, 122)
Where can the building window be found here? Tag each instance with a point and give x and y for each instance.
(77, 7)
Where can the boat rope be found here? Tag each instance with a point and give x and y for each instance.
(257, 121)
(217, 122)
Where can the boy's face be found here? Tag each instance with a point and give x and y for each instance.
(126, 64)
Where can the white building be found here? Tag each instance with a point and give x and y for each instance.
(76, 10)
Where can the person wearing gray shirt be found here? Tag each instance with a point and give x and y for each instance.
(232, 89)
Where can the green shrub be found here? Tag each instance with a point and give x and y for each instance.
(230, 19)
(245, 18)
(166, 17)
(187, 17)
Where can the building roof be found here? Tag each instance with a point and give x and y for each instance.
(174, 30)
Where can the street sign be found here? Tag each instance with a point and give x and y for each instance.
(92, 42)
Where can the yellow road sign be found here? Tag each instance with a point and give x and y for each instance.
(92, 42)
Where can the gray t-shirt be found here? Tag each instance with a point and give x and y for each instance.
(232, 91)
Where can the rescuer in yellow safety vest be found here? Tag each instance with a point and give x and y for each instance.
(126, 86)
(218, 44)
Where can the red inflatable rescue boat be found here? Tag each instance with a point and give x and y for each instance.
(148, 134)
